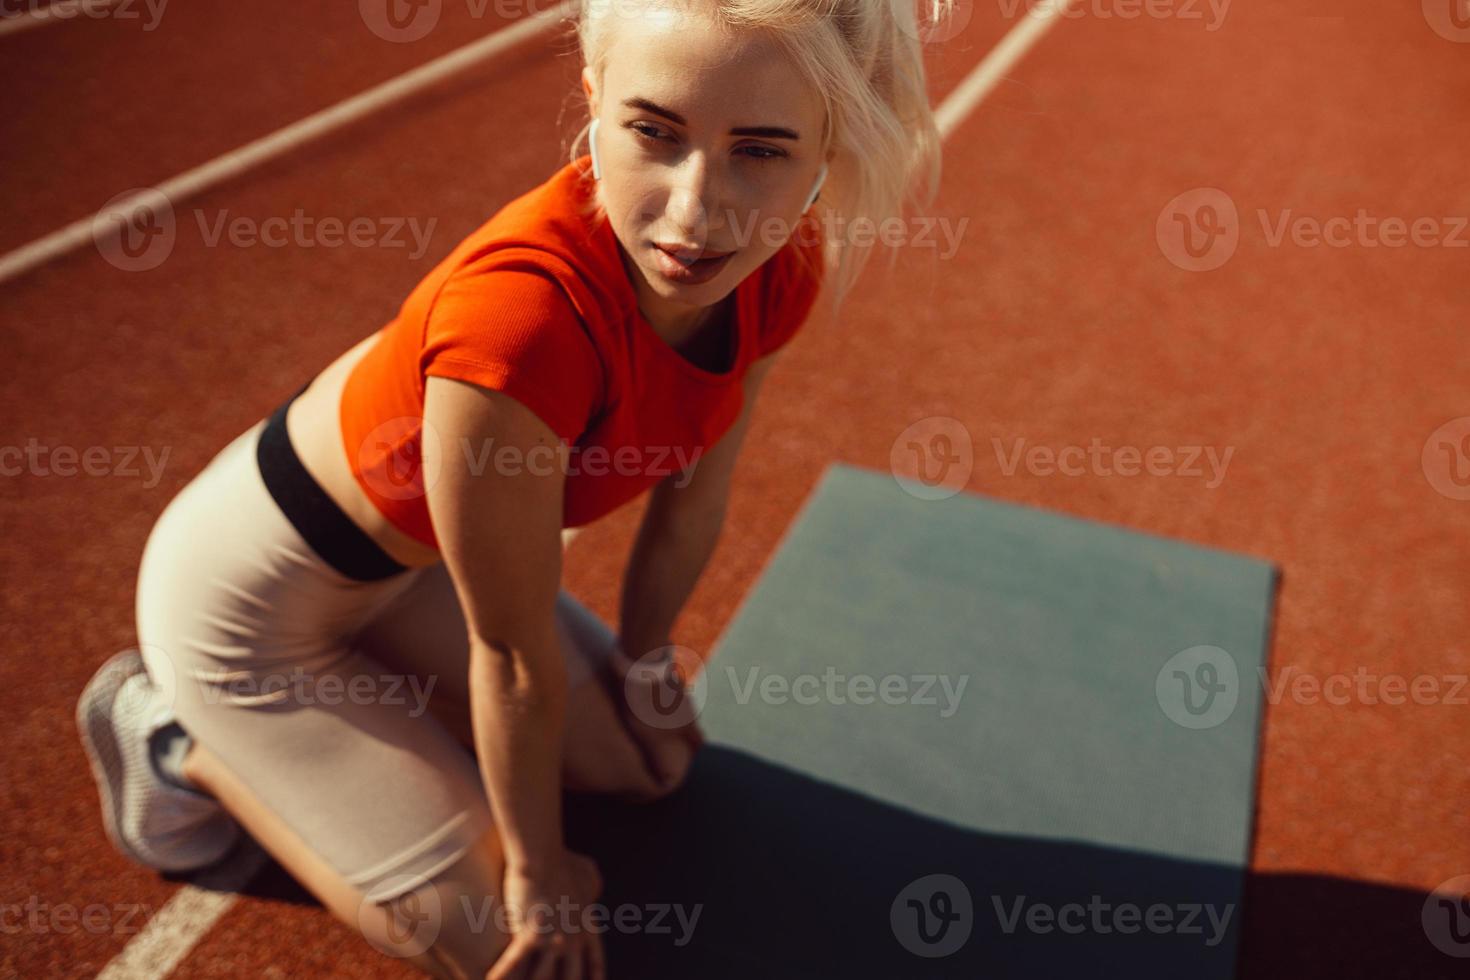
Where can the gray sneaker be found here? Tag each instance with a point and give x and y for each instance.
(149, 819)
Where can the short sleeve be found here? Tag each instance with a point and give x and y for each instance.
(515, 330)
(795, 282)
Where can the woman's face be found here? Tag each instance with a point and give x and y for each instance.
(674, 173)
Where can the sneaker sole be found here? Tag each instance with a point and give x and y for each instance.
(94, 723)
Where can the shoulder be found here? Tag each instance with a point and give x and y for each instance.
(510, 324)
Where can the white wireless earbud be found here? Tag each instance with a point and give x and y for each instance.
(816, 189)
(592, 147)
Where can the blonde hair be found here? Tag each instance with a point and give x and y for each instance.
(865, 58)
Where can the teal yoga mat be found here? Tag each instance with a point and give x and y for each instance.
(957, 738)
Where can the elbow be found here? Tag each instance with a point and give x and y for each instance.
(527, 666)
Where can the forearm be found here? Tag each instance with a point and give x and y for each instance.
(668, 558)
(518, 710)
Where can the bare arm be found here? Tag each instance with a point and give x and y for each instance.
(679, 531)
(500, 535)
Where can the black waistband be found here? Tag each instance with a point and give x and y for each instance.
(316, 516)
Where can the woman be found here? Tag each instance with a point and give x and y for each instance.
(364, 585)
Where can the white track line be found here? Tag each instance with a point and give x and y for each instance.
(172, 933)
(55, 13)
(1039, 19)
(282, 141)
(184, 919)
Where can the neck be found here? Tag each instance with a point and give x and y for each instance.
(675, 324)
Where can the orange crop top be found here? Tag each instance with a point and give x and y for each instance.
(536, 303)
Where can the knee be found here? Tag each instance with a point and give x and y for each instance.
(444, 933)
(448, 926)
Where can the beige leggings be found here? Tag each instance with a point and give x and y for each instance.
(313, 687)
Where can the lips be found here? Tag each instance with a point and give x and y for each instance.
(690, 257)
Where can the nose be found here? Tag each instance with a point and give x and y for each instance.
(693, 198)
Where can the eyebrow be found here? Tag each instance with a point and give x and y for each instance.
(772, 132)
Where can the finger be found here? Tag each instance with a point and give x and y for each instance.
(597, 965)
(548, 960)
(572, 964)
(511, 965)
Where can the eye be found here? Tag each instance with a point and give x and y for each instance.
(772, 153)
(642, 130)
(650, 133)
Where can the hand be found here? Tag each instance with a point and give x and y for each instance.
(657, 710)
(542, 943)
